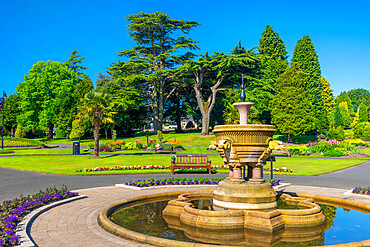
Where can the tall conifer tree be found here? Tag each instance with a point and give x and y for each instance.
(305, 56)
(292, 113)
(363, 113)
(327, 95)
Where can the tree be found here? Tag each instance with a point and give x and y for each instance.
(359, 95)
(362, 115)
(11, 112)
(74, 63)
(271, 45)
(98, 106)
(292, 112)
(305, 56)
(45, 93)
(327, 95)
(343, 97)
(156, 55)
(343, 108)
(210, 72)
(338, 118)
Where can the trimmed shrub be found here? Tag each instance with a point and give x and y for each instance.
(362, 131)
(20, 132)
(333, 153)
(189, 125)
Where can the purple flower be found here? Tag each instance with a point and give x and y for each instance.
(9, 225)
(11, 218)
(9, 233)
(2, 242)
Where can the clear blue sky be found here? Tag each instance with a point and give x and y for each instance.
(41, 30)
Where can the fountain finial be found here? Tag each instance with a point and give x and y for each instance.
(242, 92)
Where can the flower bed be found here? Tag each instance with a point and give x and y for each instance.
(275, 169)
(362, 190)
(138, 167)
(12, 142)
(13, 211)
(5, 151)
(182, 181)
(331, 148)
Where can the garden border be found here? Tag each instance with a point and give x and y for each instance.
(24, 227)
(183, 186)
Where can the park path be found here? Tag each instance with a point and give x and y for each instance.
(14, 182)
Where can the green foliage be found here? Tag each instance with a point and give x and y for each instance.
(74, 64)
(45, 93)
(6, 151)
(362, 116)
(60, 133)
(156, 54)
(11, 112)
(338, 118)
(160, 136)
(78, 130)
(335, 133)
(271, 45)
(359, 96)
(20, 132)
(362, 131)
(114, 135)
(297, 150)
(345, 115)
(333, 153)
(274, 54)
(17, 141)
(327, 95)
(291, 111)
(343, 97)
(305, 56)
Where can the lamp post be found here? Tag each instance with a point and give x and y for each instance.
(2, 101)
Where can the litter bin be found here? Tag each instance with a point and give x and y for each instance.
(76, 148)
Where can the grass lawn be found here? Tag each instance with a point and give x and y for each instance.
(187, 139)
(366, 151)
(67, 165)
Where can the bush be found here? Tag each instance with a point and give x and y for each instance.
(333, 153)
(20, 132)
(297, 150)
(5, 151)
(362, 131)
(335, 133)
(60, 133)
(105, 149)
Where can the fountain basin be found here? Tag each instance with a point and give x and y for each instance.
(249, 142)
(228, 237)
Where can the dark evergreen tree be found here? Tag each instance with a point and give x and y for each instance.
(272, 46)
(74, 63)
(362, 115)
(338, 118)
(359, 95)
(11, 112)
(305, 56)
(292, 112)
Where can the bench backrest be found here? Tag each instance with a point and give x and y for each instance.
(191, 159)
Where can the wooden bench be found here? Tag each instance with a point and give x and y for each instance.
(190, 161)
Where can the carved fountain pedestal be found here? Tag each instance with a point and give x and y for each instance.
(244, 146)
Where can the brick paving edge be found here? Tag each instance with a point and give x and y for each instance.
(24, 227)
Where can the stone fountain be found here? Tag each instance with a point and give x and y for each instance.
(247, 201)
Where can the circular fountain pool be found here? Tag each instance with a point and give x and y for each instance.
(142, 219)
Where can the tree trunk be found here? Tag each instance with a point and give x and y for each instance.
(205, 122)
(289, 138)
(50, 133)
(96, 133)
(106, 134)
(178, 123)
(155, 108)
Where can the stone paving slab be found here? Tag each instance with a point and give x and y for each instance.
(75, 223)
